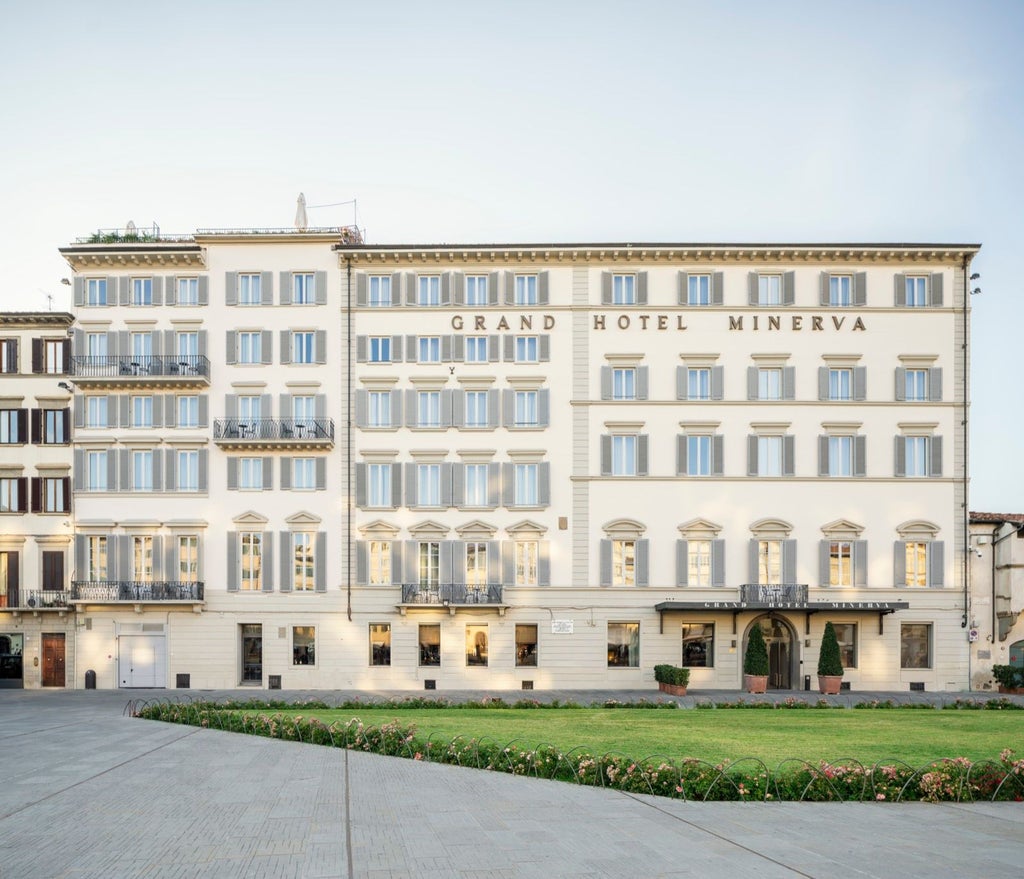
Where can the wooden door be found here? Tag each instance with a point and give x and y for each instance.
(53, 659)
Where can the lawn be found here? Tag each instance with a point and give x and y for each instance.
(871, 735)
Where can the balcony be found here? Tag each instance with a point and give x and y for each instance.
(451, 597)
(153, 371)
(35, 600)
(136, 592)
(270, 433)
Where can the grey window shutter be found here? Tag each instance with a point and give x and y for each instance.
(641, 382)
(321, 474)
(458, 408)
(544, 348)
(231, 405)
(125, 560)
(320, 562)
(361, 485)
(681, 387)
(234, 574)
(789, 383)
(411, 486)
(457, 572)
(268, 473)
(284, 279)
(823, 456)
(788, 288)
(543, 295)
(860, 288)
(507, 485)
(752, 383)
(267, 566)
(396, 289)
(81, 556)
(158, 411)
(204, 290)
(361, 295)
(230, 356)
(935, 456)
(493, 485)
(361, 345)
(446, 288)
(79, 472)
(361, 408)
(606, 288)
(447, 556)
(935, 290)
(79, 411)
(860, 456)
(362, 563)
(544, 407)
(456, 348)
(717, 562)
(544, 484)
(396, 408)
(170, 560)
(286, 473)
(682, 287)
(492, 288)
(643, 562)
(510, 287)
(203, 346)
(900, 290)
(287, 574)
(267, 406)
(860, 383)
(266, 288)
(641, 288)
(267, 347)
(286, 346)
(204, 470)
(509, 407)
(397, 548)
(493, 349)
(79, 288)
(935, 384)
(823, 373)
(320, 342)
(411, 349)
(823, 288)
(682, 452)
(606, 455)
(458, 288)
(753, 557)
(447, 481)
(606, 382)
(508, 563)
(157, 464)
(717, 288)
(232, 474)
(396, 486)
(860, 563)
(544, 563)
(446, 408)
(682, 563)
(899, 567)
(411, 288)
(122, 285)
(124, 482)
(717, 455)
(752, 288)
(751, 455)
(494, 408)
(900, 466)
(788, 561)
(410, 549)
(446, 349)
(158, 290)
(936, 564)
(717, 382)
(901, 383)
(510, 349)
(123, 346)
(642, 454)
(320, 287)
(458, 485)
(606, 562)
(411, 409)
(825, 562)
(788, 455)
(231, 289)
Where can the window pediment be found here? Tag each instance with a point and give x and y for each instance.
(429, 530)
(771, 528)
(624, 529)
(917, 528)
(842, 528)
(303, 519)
(476, 530)
(699, 528)
(379, 528)
(526, 529)
(250, 517)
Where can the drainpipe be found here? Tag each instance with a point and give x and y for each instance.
(348, 435)
(965, 425)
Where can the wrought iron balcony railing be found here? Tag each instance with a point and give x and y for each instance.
(135, 591)
(132, 366)
(35, 599)
(273, 429)
(451, 594)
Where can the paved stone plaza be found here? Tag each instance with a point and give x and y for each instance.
(87, 792)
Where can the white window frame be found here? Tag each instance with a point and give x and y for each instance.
(428, 349)
(428, 485)
(379, 559)
(379, 349)
(770, 452)
(624, 454)
(188, 470)
(378, 409)
(188, 410)
(476, 290)
(476, 414)
(428, 291)
(378, 485)
(303, 288)
(624, 290)
(303, 561)
(250, 561)
(250, 346)
(840, 291)
(476, 349)
(250, 474)
(698, 383)
(96, 291)
(840, 455)
(249, 292)
(526, 485)
(378, 291)
(303, 474)
(624, 382)
(142, 470)
(699, 454)
(187, 292)
(698, 290)
(475, 485)
(526, 349)
(303, 347)
(527, 408)
(526, 290)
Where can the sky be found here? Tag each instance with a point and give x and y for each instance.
(533, 121)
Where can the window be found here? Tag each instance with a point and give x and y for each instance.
(96, 547)
(380, 562)
(769, 455)
(840, 456)
(54, 422)
(769, 290)
(11, 421)
(769, 562)
(430, 645)
(769, 383)
(252, 556)
(142, 471)
(303, 347)
(916, 385)
(846, 635)
(526, 349)
(303, 474)
(55, 499)
(526, 555)
(249, 408)
(250, 474)
(187, 343)
(428, 291)
(698, 290)
(840, 384)
(840, 554)
(380, 349)
(525, 485)
(96, 291)
(840, 290)
(476, 349)
(623, 563)
(303, 640)
(188, 291)
(9, 355)
(53, 352)
(698, 563)
(698, 645)
(428, 485)
(476, 645)
(188, 470)
(188, 411)
(698, 455)
(916, 449)
(9, 495)
(378, 489)
(429, 349)
(380, 643)
(428, 409)
(379, 292)
(249, 290)
(526, 290)
(623, 289)
(96, 475)
(53, 570)
(475, 485)
(96, 344)
(623, 384)
(142, 411)
(623, 645)
(476, 408)
(250, 347)
(142, 346)
(476, 290)
(698, 383)
(916, 645)
(476, 563)
(429, 559)
(303, 290)
(142, 559)
(188, 558)
(96, 412)
(142, 291)
(304, 411)
(303, 567)
(916, 555)
(378, 409)
(526, 645)
(917, 291)
(624, 456)
(527, 411)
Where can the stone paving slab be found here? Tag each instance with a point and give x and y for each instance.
(86, 793)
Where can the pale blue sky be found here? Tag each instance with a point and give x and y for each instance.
(533, 121)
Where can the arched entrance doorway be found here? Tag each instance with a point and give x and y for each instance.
(783, 651)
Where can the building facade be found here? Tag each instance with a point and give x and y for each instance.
(305, 461)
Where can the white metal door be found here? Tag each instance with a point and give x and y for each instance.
(142, 661)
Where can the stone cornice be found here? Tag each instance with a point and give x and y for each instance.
(156, 255)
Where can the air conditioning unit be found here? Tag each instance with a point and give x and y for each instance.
(32, 601)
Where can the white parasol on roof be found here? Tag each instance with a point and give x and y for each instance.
(301, 222)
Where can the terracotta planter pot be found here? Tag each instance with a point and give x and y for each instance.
(830, 685)
(755, 683)
(672, 689)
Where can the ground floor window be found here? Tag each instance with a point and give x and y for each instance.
(623, 645)
(476, 645)
(430, 645)
(252, 653)
(380, 643)
(916, 645)
(303, 645)
(846, 635)
(698, 645)
(526, 645)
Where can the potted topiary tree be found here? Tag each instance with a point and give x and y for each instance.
(830, 666)
(755, 662)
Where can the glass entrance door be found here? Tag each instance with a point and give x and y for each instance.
(779, 641)
(252, 653)
(12, 647)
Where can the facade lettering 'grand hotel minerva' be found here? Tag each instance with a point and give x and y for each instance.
(290, 459)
